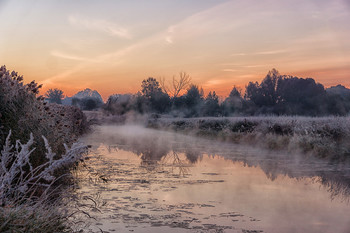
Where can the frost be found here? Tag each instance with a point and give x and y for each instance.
(19, 179)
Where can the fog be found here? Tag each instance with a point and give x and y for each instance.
(157, 181)
(153, 146)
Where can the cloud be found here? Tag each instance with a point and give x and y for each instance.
(64, 74)
(84, 62)
(254, 66)
(268, 52)
(205, 22)
(59, 54)
(238, 54)
(169, 39)
(243, 65)
(228, 70)
(99, 25)
(213, 82)
(272, 52)
(247, 76)
(168, 35)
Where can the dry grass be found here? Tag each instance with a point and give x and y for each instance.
(29, 199)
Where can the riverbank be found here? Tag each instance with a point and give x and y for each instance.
(324, 137)
(38, 151)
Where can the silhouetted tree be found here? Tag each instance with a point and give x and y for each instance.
(193, 96)
(211, 105)
(87, 103)
(300, 96)
(276, 94)
(118, 104)
(90, 103)
(54, 96)
(154, 96)
(149, 87)
(233, 104)
(269, 88)
(338, 100)
(193, 100)
(265, 93)
(140, 103)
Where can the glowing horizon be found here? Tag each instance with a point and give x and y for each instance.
(112, 46)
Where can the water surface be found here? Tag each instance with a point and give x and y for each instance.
(143, 180)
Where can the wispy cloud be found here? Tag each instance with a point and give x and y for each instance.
(64, 74)
(205, 22)
(247, 76)
(272, 52)
(77, 43)
(268, 52)
(229, 70)
(112, 58)
(243, 65)
(169, 39)
(116, 56)
(63, 55)
(212, 82)
(238, 54)
(99, 25)
(255, 66)
(191, 29)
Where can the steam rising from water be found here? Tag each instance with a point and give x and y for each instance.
(154, 146)
(156, 181)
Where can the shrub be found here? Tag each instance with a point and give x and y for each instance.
(24, 112)
(87, 103)
(30, 172)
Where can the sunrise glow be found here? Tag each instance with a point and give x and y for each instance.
(111, 46)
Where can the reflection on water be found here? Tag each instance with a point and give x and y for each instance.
(153, 181)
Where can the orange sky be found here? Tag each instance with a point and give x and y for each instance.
(111, 46)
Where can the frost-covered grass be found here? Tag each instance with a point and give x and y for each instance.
(28, 197)
(321, 136)
(32, 173)
(26, 218)
(24, 112)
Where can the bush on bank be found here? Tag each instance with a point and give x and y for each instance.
(24, 112)
(37, 150)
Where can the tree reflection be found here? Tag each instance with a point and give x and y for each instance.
(176, 163)
(175, 153)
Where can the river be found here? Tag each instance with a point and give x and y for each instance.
(143, 180)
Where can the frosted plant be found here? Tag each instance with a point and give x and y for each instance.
(24, 112)
(29, 171)
(20, 180)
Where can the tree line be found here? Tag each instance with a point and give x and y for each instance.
(276, 94)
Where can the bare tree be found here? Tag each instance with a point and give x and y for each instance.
(178, 84)
(163, 86)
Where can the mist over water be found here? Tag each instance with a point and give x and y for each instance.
(156, 181)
